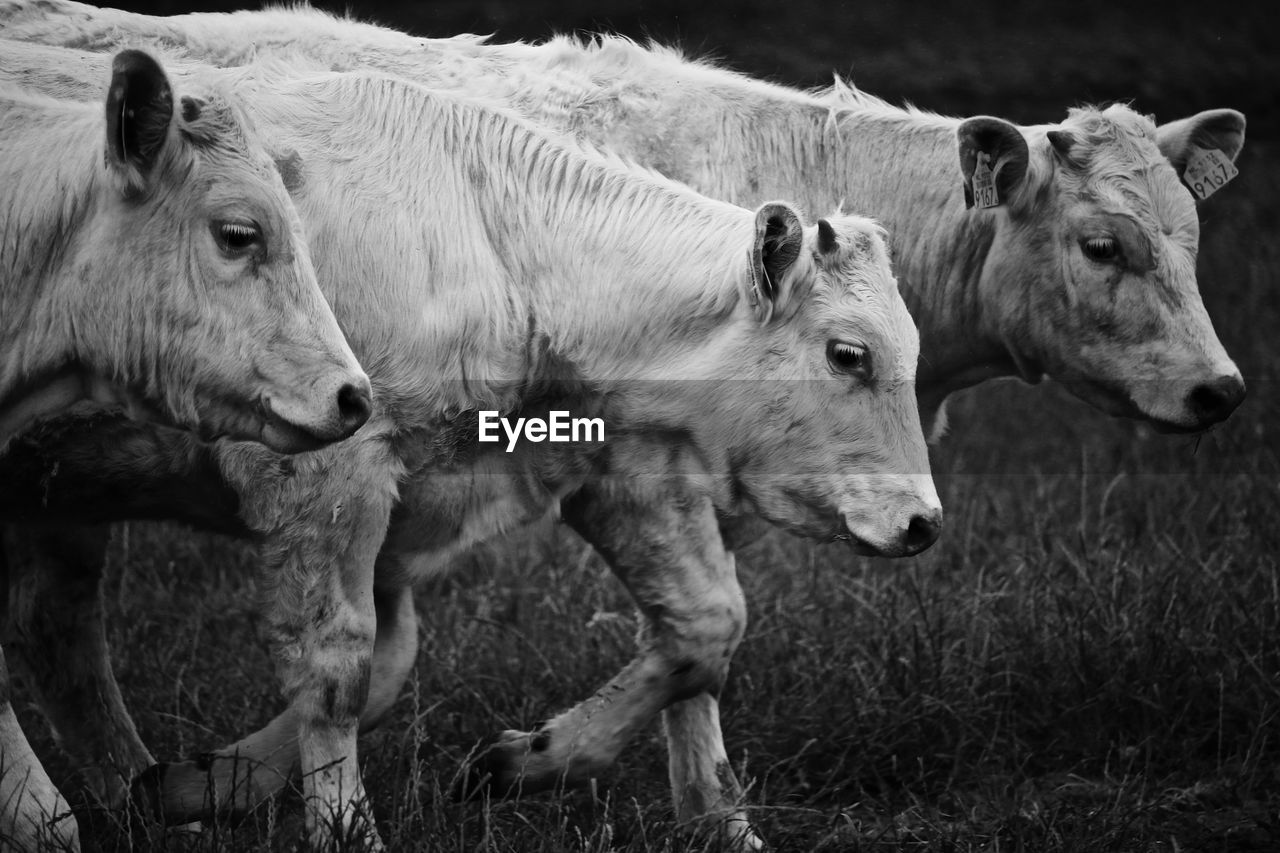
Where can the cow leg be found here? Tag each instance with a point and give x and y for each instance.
(326, 523)
(58, 640)
(260, 765)
(33, 813)
(667, 550)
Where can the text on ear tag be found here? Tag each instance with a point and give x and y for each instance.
(1208, 170)
(984, 183)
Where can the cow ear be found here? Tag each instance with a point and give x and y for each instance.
(997, 145)
(779, 240)
(139, 115)
(1212, 129)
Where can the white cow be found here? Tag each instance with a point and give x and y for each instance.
(149, 254)
(1090, 208)
(156, 260)
(1085, 206)
(738, 362)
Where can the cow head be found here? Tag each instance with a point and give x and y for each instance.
(815, 414)
(214, 308)
(1093, 268)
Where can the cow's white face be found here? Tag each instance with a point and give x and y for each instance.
(206, 240)
(1094, 269)
(819, 424)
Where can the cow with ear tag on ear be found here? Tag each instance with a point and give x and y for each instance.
(991, 146)
(1203, 148)
(1097, 228)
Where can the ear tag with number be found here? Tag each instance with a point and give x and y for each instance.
(1208, 170)
(984, 183)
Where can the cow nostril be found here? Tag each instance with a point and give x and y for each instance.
(1214, 401)
(923, 531)
(355, 404)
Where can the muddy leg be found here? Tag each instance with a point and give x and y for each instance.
(260, 765)
(703, 783)
(57, 639)
(666, 547)
(322, 527)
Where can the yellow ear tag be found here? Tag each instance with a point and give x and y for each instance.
(984, 183)
(1208, 170)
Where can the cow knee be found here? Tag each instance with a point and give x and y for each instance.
(343, 696)
(329, 684)
(704, 645)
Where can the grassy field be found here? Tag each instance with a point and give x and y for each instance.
(1087, 661)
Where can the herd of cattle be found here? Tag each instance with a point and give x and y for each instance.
(195, 284)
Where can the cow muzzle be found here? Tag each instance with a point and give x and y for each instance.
(905, 536)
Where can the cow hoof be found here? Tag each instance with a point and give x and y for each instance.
(146, 792)
(515, 763)
(494, 769)
(173, 794)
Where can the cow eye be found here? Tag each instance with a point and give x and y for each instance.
(238, 238)
(1101, 249)
(848, 358)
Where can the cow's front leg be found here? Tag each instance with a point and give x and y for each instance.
(260, 765)
(666, 548)
(322, 528)
(58, 641)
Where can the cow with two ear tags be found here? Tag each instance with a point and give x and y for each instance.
(1091, 274)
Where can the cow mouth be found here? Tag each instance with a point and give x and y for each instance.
(1115, 401)
(1107, 397)
(861, 547)
(858, 545)
(284, 437)
(259, 423)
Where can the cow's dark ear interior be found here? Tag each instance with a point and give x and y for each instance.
(139, 112)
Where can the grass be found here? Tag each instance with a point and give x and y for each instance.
(1087, 661)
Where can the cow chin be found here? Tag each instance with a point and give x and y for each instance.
(1118, 402)
(259, 425)
(865, 547)
(283, 437)
(1107, 397)
(861, 547)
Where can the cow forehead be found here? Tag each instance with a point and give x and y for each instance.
(229, 153)
(863, 300)
(1117, 163)
(858, 235)
(861, 260)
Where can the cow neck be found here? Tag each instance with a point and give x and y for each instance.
(467, 255)
(902, 169)
(747, 141)
(626, 275)
(37, 224)
(897, 166)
